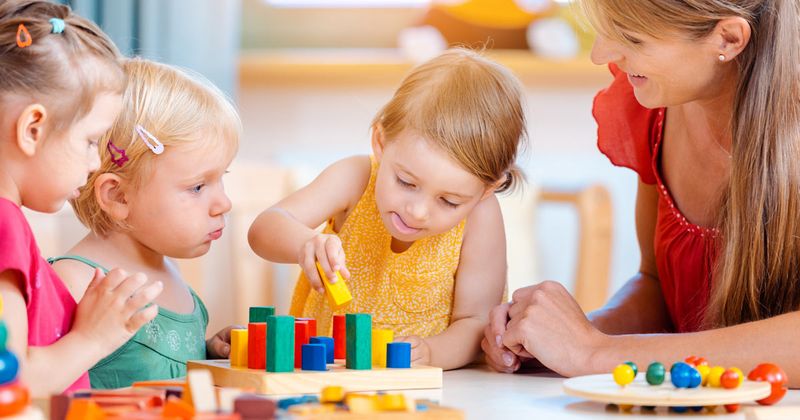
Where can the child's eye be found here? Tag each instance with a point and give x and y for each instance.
(403, 183)
(631, 39)
(94, 143)
(449, 203)
(197, 188)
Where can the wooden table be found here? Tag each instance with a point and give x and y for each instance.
(484, 394)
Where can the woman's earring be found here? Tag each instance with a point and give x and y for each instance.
(721, 57)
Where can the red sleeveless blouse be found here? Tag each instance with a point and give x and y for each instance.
(630, 136)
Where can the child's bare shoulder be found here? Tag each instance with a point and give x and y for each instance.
(350, 174)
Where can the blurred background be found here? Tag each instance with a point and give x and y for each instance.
(307, 77)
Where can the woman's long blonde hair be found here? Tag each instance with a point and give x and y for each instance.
(758, 262)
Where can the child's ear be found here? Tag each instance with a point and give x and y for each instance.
(31, 128)
(378, 141)
(490, 190)
(110, 196)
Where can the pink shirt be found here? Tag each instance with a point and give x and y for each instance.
(51, 308)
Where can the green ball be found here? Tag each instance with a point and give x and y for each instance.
(655, 373)
(3, 335)
(633, 366)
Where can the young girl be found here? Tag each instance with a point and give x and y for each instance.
(705, 107)
(157, 195)
(51, 122)
(415, 229)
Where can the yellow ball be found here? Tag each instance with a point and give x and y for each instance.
(1, 306)
(704, 371)
(626, 407)
(623, 374)
(713, 376)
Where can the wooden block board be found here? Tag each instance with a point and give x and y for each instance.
(602, 388)
(310, 382)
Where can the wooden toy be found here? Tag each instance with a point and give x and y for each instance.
(3, 335)
(9, 366)
(328, 343)
(623, 374)
(331, 394)
(731, 379)
(398, 355)
(313, 356)
(359, 341)
(239, 347)
(338, 293)
(310, 382)
(714, 376)
(254, 407)
(312, 326)
(176, 407)
(339, 337)
(85, 409)
(634, 367)
(280, 343)
(256, 345)
(13, 399)
(380, 338)
(655, 373)
(602, 388)
(201, 385)
(301, 337)
(260, 313)
(768, 372)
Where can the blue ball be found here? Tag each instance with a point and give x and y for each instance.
(680, 375)
(9, 365)
(679, 409)
(694, 378)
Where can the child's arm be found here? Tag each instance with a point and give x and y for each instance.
(110, 313)
(480, 281)
(286, 231)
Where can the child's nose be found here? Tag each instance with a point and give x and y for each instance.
(418, 210)
(222, 204)
(604, 51)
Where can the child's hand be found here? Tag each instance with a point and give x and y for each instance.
(219, 346)
(327, 249)
(498, 357)
(113, 308)
(420, 350)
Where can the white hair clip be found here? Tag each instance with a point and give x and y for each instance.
(149, 140)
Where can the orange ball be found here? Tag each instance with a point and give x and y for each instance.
(13, 399)
(730, 379)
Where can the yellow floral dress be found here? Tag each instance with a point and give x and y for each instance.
(410, 293)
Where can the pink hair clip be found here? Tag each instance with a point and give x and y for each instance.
(149, 140)
(114, 151)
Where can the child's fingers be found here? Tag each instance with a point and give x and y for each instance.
(345, 272)
(325, 263)
(309, 264)
(98, 276)
(141, 317)
(112, 279)
(143, 296)
(218, 348)
(130, 285)
(498, 319)
(333, 248)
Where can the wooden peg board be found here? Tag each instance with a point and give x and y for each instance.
(311, 382)
(602, 388)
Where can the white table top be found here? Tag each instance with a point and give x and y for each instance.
(484, 394)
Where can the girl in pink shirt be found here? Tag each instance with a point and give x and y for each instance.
(60, 91)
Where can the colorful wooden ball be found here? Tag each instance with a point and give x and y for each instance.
(626, 407)
(623, 374)
(679, 409)
(13, 399)
(655, 373)
(695, 378)
(714, 376)
(730, 379)
(3, 335)
(731, 408)
(768, 372)
(680, 375)
(9, 365)
(696, 360)
(704, 370)
(634, 367)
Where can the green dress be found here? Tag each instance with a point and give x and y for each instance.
(159, 350)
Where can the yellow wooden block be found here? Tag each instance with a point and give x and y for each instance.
(380, 338)
(338, 293)
(391, 402)
(361, 404)
(239, 348)
(331, 394)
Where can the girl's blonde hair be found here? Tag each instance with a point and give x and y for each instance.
(176, 107)
(758, 264)
(64, 71)
(467, 105)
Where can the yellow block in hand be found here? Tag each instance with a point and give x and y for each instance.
(338, 294)
(380, 338)
(239, 348)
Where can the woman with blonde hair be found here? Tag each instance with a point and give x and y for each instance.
(705, 107)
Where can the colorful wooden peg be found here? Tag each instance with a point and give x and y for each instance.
(280, 343)
(256, 345)
(312, 326)
(301, 337)
(239, 348)
(338, 293)
(398, 355)
(313, 357)
(328, 343)
(339, 337)
(380, 338)
(260, 313)
(359, 341)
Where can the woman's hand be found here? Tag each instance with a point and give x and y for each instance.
(547, 323)
(327, 249)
